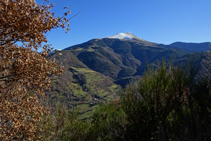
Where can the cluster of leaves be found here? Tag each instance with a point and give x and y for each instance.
(24, 72)
(169, 103)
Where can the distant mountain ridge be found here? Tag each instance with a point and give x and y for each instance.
(188, 47)
(193, 47)
(97, 67)
(124, 54)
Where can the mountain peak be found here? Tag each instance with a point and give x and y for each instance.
(126, 36)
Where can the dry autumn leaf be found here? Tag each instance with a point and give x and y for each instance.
(24, 73)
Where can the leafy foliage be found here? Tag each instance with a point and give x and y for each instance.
(24, 73)
(107, 123)
(169, 103)
(61, 125)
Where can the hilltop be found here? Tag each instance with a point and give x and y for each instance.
(97, 69)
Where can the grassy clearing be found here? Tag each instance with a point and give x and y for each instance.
(88, 113)
(93, 79)
(113, 87)
(78, 91)
(83, 107)
(109, 98)
(102, 93)
(90, 49)
(79, 49)
(83, 70)
(90, 74)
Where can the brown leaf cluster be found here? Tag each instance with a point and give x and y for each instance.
(24, 72)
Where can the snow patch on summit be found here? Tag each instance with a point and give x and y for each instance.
(122, 36)
(126, 36)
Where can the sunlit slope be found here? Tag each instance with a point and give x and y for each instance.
(79, 87)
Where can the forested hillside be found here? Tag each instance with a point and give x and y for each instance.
(117, 88)
(168, 103)
(98, 68)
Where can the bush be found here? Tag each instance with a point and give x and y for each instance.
(107, 122)
(169, 103)
(62, 125)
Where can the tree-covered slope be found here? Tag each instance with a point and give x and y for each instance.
(79, 87)
(95, 69)
(120, 58)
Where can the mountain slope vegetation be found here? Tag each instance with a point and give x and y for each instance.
(98, 68)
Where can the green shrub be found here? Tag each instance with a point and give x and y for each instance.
(169, 103)
(107, 122)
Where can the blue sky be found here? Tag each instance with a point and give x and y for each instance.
(161, 21)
